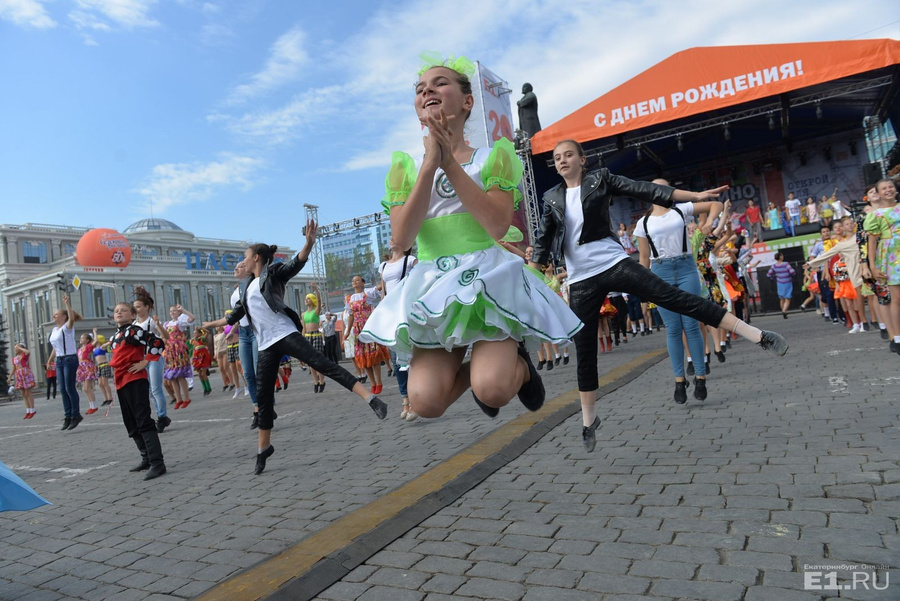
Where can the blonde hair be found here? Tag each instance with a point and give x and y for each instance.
(313, 299)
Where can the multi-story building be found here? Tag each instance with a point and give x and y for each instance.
(175, 266)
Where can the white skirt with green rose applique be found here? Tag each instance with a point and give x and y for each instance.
(456, 300)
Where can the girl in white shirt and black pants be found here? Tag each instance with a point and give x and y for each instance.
(278, 332)
(666, 250)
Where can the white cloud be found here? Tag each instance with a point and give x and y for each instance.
(277, 126)
(286, 58)
(571, 52)
(127, 14)
(26, 13)
(173, 184)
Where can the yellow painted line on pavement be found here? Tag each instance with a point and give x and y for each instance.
(267, 577)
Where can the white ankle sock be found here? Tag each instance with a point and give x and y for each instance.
(588, 413)
(897, 339)
(558, 355)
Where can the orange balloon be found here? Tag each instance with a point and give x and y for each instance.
(103, 247)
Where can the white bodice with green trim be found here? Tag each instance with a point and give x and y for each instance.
(444, 200)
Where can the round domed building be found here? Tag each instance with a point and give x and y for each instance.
(170, 262)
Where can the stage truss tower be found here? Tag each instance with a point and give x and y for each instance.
(532, 209)
(318, 257)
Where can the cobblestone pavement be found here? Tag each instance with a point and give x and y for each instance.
(109, 535)
(790, 462)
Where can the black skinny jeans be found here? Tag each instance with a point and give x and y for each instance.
(586, 297)
(296, 346)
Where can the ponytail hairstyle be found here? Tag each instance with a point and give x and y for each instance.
(141, 294)
(266, 251)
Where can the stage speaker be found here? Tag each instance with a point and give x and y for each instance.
(871, 173)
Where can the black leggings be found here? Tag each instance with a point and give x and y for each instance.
(298, 347)
(586, 297)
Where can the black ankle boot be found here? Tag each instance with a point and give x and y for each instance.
(154, 454)
(145, 460)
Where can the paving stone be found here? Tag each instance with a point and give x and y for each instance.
(765, 561)
(344, 591)
(542, 593)
(740, 575)
(492, 589)
(443, 583)
(765, 593)
(663, 569)
(613, 583)
(683, 589)
(443, 565)
(384, 593)
(393, 577)
(499, 571)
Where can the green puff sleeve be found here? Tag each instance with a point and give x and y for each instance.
(399, 181)
(503, 169)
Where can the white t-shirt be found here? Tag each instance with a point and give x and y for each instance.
(584, 261)
(839, 210)
(235, 297)
(668, 231)
(62, 339)
(392, 273)
(146, 325)
(269, 326)
(183, 322)
(793, 207)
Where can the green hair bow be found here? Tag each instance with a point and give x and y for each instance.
(460, 64)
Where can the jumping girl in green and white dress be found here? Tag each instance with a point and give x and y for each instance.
(466, 290)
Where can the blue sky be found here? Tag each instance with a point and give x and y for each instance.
(227, 116)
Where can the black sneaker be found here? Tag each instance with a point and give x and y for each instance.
(379, 407)
(617, 340)
(556, 361)
(491, 412)
(728, 341)
(172, 401)
(532, 393)
(261, 459)
(681, 392)
(589, 436)
(894, 347)
(835, 320)
(549, 365)
(885, 335)
(773, 341)
(68, 421)
(155, 471)
(566, 358)
(163, 423)
(700, 389)
(690, 368)
(75, 421)
(720, 356)
(784, 315)
(865, 326)
(803, 308)
(643, 333)
(254, 424)
(540, 365)
(105, 403)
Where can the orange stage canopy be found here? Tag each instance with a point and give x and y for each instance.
(699, 80)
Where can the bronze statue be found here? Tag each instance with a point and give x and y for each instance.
(528, 111)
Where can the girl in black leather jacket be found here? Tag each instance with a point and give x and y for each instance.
(278, 331)
(575, 224)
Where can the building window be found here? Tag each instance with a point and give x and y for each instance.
(34, 252)
(69, 249)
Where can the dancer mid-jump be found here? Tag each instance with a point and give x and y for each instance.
(466, 290)
(278, 331)
(575, 223)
